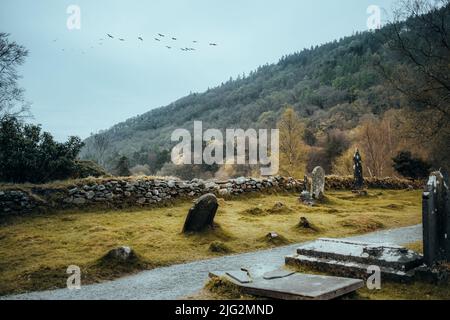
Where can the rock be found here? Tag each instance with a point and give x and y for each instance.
(79, 201)
(318, 183)
(68, 200)
(2, 193)
(241, 180)
(127, 194)
(201, 215)
(272, 235)
(210, 185)
(121, 254)
(90, 195)
(224, 192)
(73, 191)
(141, 200)
(172, 184)
(101, 188)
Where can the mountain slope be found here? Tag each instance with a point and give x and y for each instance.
(331, 86)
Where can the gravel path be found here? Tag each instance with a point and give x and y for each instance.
(186, 279)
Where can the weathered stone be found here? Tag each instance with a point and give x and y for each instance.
(68, 200)
(79, 201)
(346, 258)
(318, 183)
(121, 254)
(358, 171)
(141, 200)
(90, 195)
(224, 192)
(73, 191)
(286, 285)
(201, 215)
(436, 220)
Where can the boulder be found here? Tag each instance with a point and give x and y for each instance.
(121, 254)
(201, 215)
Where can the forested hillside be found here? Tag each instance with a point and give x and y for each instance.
(336, 90)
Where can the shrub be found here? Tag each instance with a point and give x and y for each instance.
(28, 155)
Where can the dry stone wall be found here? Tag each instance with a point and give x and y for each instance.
(131, 192)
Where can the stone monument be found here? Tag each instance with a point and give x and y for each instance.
(318, 183)
(436, 220)
(201, 215)
(358, 171)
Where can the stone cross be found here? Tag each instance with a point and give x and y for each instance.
(358, 171)
(318, 183)
(436, 220)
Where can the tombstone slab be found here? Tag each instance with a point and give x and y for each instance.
(318, 183)
(201, 215)
(295, 286)
(351, 258)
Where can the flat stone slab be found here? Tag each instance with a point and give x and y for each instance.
(295, 286)
(382, 255)
(348, 269)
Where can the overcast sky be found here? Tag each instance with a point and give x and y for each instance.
(76, 93)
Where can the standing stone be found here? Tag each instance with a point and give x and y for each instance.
(436, 220)
(318, 183)
(201, 215)
(358, 171)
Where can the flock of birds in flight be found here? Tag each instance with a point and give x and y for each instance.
(158, 38)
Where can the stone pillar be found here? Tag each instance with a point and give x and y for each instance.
(318, 183)
(436, 220)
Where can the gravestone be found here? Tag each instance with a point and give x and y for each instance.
(436, 220)
(358, 171)
(288, 285)
(318, 183)
(201, 215)
(352, 258)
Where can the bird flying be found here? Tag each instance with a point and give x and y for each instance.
(110, 36)
(157, 39)
(121, 39)
(213, 44)
(168, 47)
(161, 35)
(140, 38)
(175, 39)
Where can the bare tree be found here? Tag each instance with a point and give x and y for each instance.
(12, 101)
(100, 143)
(419, 40)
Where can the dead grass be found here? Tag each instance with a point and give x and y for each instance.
(35, 251)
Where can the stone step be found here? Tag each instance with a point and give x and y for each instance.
(382, 255)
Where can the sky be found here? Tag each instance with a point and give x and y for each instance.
(90, 87)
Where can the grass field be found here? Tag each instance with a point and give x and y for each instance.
(35, 251)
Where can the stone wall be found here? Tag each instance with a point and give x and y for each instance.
(132, 192)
